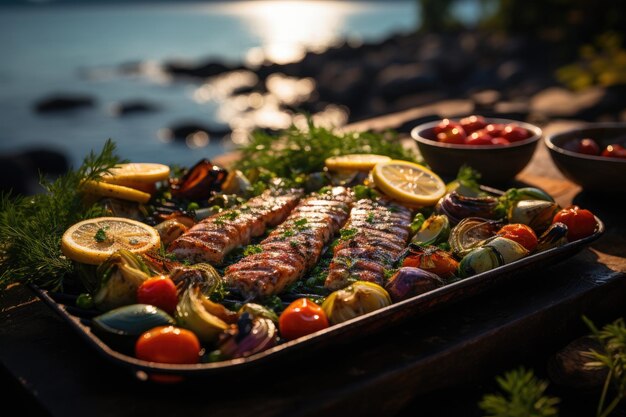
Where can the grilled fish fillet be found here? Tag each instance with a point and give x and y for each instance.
(212, 238)
(374, 237)
(293, 247)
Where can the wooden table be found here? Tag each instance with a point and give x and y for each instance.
(413, 367)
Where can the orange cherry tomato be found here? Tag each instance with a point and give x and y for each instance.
(302, 317)
(580, 222)
(168, 344)
(432, 259)
(521, 234)
(160, 292)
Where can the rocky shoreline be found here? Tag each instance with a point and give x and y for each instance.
(512, 77)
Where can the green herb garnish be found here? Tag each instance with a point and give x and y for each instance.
(362, 191)
(417, 223)
(31, 226)
(294, 152)
(301, 224)
(347, 234)
(252, 249)
(101, 234)
(370, 217)
(523, 395)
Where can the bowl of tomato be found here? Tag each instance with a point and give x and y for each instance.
(593, 156)
(497, 148)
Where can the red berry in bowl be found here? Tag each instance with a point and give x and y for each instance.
(445, 125)
(500, 141)
(479, 138)
(473, 123)
(588, 147)
(495, 129)
(614, 151)
(514, 133)
(456, 135)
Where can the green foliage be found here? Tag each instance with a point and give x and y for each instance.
(522, 396)
(31, 226)
(613, 358)
(294, 152)
(602, 63)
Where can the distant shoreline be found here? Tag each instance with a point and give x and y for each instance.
(48, 3)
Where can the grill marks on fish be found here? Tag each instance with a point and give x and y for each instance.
(293, 247)
(378, 232)
(213, 238)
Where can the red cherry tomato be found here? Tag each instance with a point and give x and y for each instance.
(514, 133)
(588, 146)
(160, 292)
(168, 344)
(580, 222)
(495, 129)
(473, 123)
(521, 234)
(445, 125)
(302, 317)
(500, 141)
(455, 135)
(480, 137)
(614, 151)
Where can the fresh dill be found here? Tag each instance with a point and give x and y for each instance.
(295, 151)
(31, 226)
(523, 395)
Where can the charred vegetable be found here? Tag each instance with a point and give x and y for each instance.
(119, 278)
(202, 275)
(409, 282)
(555, 236)
(199, 182)
(537, 214)
(169, 230)
(497, 252)
(355, 300)
(195, 312)
(251, 335)
(258, 311)
(433, 231)
(471, 233)
(458, 207)
(431, 259)
(122, 326)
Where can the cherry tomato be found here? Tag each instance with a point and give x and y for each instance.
(521, 234)
(514, 133)
(588, 146)
(500, 141)
(168, 344)
(580, 222)
(455, 135)
(495, 129)
(445, 125)
(614, 151)
(302, 317)
(480, 137)
(160, 292)
(473, 123)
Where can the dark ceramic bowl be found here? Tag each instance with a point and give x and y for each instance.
(593, 173)
(496, 163)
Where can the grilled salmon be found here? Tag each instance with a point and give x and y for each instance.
(211, 239)
(293, 247)
(372, 239)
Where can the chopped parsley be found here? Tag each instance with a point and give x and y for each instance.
(252, 249)
(288, 233)
(370, 217)
(301, 224)
(362, 191)
(347, 234)
(101, 234)
(293, 244)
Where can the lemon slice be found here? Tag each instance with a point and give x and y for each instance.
(104, 189)
(93, 241)
(408, 182)
(355, 162)
(137, 172)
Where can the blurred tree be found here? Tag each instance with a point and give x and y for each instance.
(437, 15)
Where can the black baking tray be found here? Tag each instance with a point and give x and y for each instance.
(80, 321)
